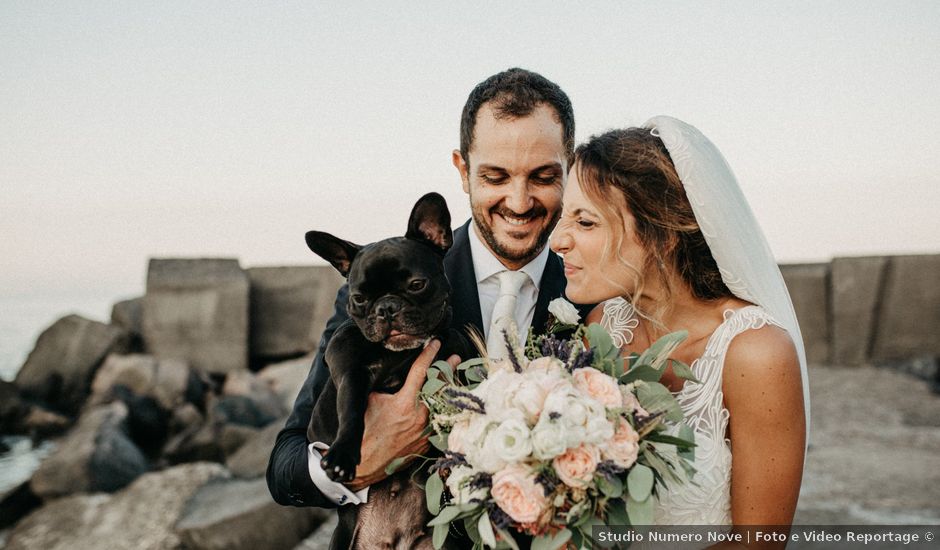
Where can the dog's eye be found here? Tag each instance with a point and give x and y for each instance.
(358, 299)
(417, 285)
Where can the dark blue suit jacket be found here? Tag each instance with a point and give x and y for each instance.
(288, 476)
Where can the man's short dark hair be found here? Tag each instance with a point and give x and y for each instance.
(516, 93)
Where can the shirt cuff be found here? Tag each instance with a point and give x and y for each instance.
(336, 492)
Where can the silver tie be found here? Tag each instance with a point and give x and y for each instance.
(504, 310)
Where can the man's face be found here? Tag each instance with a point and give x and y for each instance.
(515, 181)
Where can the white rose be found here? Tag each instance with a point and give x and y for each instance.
(473, 437)
(499, 393)
(598, 430)
(510, 440)
(564, 311)
(549, 439)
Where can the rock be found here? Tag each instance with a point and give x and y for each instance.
(12, 409)
(147, 421)
(251, 460)
(200, 442)
(232, 437)
(809, 289)
(909, 320)
(239, 514)
(16, 503)
(128, 314)
(260, 392)
(856, 290)
(243, 410)
(140, 516)
(165, 380)
(289, 308)
(40, 423)
(96, 455)
(320, 539)
(285, 379)
(196, 310)
(60, 368)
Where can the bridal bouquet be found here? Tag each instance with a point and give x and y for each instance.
(560, 436)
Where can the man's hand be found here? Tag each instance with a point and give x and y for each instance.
(394, 422)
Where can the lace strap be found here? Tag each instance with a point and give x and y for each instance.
(619, 320)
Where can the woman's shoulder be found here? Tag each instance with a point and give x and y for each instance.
(763, 355)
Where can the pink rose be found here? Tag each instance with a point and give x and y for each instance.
(599, 386)
(575, 467)
(516, 492)
(623, 447)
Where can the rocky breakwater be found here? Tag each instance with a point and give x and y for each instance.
(162, 420)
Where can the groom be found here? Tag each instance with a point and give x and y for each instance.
(516, 140)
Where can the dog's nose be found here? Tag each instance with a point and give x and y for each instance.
(387, 309)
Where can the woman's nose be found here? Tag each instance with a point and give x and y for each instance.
(560, 240)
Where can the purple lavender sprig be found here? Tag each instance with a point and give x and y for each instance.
(548, 481)
(464, 400)
(449, 461)
(512, 354)
(609, 469)
(553, 347)
(583, 359)
(498, 517)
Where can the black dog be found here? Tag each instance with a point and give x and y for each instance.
(399, 299)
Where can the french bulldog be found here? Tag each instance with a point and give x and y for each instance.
(399, 299)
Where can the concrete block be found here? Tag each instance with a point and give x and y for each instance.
(856, 291)
(196, 310)
(909, 320)
(289, 308)
(809, 289)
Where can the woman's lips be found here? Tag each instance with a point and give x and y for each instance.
(571, 269)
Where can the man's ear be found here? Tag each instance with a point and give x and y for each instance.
(430, 222)
(338, 252)
(461, 167)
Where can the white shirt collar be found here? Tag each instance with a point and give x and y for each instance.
(485, 264)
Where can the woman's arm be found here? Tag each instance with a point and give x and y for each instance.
(764, 395)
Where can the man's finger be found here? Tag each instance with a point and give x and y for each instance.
(454, 360)
(419, 369)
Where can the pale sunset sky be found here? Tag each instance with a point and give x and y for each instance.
(130, 130)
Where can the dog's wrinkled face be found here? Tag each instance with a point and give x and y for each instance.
(398, 292)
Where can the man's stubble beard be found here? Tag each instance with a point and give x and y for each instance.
(486, 232)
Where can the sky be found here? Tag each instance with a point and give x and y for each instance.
(131, 130)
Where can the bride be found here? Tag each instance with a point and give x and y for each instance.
(655, 227)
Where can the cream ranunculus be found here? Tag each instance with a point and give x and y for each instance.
(548, 439)
(598, 386)
(458, 482)
(518, 494)
(622, 449)
(564, 311)
(575, 468)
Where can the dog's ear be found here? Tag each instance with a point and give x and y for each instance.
(338, 252)
(430, 222)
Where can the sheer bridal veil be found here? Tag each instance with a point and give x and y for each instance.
(736, 241)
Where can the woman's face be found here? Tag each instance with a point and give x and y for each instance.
(582, 236)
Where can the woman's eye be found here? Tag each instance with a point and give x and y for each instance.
(417, 285)
(587, 224)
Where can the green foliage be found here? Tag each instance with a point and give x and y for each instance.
(657, 354)
(551, 542)
(394, 465)
(654, 397)
(433, 490)
(640, 482)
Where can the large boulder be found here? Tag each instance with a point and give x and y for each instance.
(165, 380)
(289, 308)
(856, 289)
(97, 455)
(141, 516)
(15, 503)
(285, 379)
(197, 310)
(12, 408)
(909, 320)
(809, 289)
(60, 368)
(251, 460)
(239, 514)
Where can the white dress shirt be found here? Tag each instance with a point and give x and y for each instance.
(485, 266)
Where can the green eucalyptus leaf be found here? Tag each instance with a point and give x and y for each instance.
(661, 467)
(431, 386)
(683, 371)
(640, 512)
(439, 442)
(679, 442)
(394, 465)
(439, 535)
(508, 538)
(686, 433)
(446, 516)
(599, 339)
(617, 512)
(640, 482)
(642, 372)
(551, 542)
(434, 488)
(445, 369)
(612, 487)
(656, 355)
(485, 528)
(654, 397)
(470, 527)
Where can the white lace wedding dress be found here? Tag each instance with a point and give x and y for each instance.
(706, 500)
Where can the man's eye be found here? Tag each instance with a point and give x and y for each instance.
(493, 180)
(546, 180)
(417, 285)
(358, 299)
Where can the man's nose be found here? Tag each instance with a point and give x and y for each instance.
(519, 200)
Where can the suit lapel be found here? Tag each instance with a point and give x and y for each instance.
(458, 265)
(553, 286)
